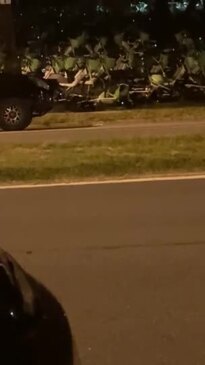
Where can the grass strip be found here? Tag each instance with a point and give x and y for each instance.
(96, 159)
(153, 114)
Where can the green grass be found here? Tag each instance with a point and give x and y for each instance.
(94, 160)
(154, 114)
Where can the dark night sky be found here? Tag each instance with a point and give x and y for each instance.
(159, 18)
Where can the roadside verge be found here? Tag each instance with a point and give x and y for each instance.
(97, 160)
(152, 114)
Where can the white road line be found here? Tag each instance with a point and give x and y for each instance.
(105, 182)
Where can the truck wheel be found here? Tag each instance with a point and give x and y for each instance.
(15, 114)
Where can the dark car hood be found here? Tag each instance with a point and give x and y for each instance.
(19, 279)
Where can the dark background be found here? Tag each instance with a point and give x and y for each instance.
(69, 17)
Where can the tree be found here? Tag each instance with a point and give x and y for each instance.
(191, 6)
(161, 7)
(117, 6)
(162, 21)
(8, 38)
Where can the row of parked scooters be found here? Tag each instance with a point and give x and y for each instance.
(96, 83)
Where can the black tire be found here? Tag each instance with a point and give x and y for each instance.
(15, 114)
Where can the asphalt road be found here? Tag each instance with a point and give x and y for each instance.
(106, 132)
(126, 261)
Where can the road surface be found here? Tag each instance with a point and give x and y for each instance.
(106, 132)
(126, 261)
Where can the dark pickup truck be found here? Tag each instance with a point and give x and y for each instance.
(22, 98)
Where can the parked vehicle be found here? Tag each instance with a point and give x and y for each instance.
(23, 97)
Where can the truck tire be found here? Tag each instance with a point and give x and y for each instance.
(15, 114)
